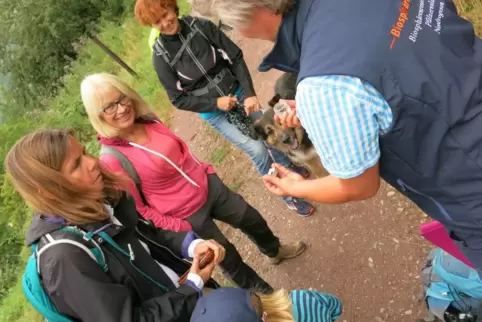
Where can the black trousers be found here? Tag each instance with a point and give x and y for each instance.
(229, 207)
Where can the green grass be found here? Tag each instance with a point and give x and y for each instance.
(14, 307)
(235, 186)
(219, 155)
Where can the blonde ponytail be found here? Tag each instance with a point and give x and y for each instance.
(277, 306)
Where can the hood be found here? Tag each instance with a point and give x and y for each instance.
(41, 226)
(286, 52)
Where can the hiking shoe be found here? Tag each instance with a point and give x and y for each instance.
(302, 208)
(302, 171)
(287, 251)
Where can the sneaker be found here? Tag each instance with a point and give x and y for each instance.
(302, 171)
(302, 208)
(287, 251)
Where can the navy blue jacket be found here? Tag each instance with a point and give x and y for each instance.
(427, 63)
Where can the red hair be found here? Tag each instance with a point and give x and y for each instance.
(147, 11)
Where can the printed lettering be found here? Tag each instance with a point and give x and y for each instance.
(440, 16)
(395, 33)
(402, 19)
(429, 15)
(418, 23)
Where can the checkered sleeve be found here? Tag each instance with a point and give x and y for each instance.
(343, 117)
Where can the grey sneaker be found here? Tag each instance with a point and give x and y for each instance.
(287, 251)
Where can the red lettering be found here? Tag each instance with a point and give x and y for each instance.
(395, 33)
(402, 19)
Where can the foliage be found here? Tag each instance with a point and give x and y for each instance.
(37, 41)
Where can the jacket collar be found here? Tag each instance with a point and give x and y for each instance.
(286, 52)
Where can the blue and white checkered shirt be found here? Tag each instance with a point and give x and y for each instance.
(344, 117)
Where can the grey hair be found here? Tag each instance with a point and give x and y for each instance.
(238, 13)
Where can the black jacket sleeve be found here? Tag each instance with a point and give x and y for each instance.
(178, 98)
(221, 41)
(78, 287)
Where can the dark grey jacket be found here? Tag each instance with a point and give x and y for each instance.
(79, 287)
(187, 76)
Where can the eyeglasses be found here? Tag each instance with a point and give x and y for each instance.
(112, 107)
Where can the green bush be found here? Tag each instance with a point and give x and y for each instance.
(38, 41)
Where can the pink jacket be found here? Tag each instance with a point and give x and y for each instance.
(172, 196)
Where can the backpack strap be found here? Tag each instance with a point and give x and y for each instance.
(194, 28)
(126, 165)
(149, 117)
(161, 51)
(96, 254)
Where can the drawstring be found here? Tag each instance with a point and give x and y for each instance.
(167, 159)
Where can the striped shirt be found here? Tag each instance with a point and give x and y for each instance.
(344, 117)
(313, 306)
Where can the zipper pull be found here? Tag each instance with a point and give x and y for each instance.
(401, 184)
(131, 252)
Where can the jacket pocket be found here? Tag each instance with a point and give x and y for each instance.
(406, 188)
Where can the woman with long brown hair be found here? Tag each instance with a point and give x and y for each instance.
(79, 206)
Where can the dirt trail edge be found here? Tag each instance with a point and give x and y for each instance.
(368, 253)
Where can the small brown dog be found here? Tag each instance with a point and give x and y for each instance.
(294, 142)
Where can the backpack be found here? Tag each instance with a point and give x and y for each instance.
(453, 290)
(127, 166)
(31, 279)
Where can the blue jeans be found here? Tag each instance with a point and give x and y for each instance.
(260, 153)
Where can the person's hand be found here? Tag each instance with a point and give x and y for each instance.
(251, 105)
(226, 103)
(283, 184)
(290, 119)
(203, 247)
(204, 273)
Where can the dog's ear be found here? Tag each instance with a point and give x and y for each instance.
(274, 100)
(257, 132)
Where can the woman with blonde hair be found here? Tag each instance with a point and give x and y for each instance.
(175, 190)
(236, 305)
(96, 260)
